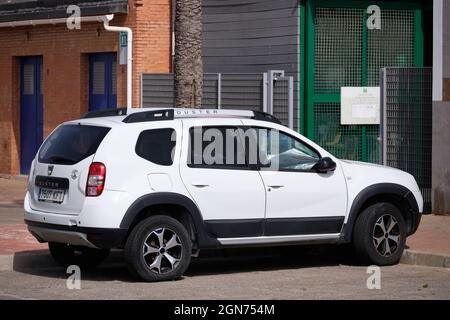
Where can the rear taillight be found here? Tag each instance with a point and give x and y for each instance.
(96, 179)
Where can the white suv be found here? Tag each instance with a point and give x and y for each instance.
(163, 184)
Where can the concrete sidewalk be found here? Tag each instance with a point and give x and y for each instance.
(429, 246)
(12, 190)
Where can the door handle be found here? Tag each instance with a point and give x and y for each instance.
(276, 186)
(200, 185)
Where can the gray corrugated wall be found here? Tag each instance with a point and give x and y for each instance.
(158, 90)
(252, 36)
(239, 91)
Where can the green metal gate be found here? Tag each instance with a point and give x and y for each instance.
(340, 51)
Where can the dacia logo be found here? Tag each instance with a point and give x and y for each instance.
(50, 169)
(74, 174)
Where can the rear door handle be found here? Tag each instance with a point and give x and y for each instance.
(276, 186)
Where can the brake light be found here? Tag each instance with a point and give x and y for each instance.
(96, 179)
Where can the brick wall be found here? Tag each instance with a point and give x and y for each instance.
(65, 66)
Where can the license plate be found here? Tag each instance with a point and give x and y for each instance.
(51, 195)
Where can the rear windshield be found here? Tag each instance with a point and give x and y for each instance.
(70, 144)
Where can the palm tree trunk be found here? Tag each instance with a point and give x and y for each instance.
(188, 65)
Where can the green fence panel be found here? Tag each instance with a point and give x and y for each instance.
(342, 52)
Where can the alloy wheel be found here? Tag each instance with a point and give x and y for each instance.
(162, 250)
(386, 235)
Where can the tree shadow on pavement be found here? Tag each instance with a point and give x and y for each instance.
(210, 262)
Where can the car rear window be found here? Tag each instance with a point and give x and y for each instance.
(157, 146)
(70, 144)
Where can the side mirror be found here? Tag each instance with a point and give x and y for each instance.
(325, 165)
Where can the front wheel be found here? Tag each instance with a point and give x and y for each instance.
(158, 249)
(380, 234)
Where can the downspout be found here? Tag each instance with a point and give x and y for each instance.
(106, 20)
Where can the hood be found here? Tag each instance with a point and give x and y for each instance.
(363, 173)
(367, 164)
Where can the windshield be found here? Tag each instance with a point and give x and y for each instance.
(70, 144)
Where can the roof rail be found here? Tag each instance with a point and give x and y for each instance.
(105, 113)
(170, 114)
(154, 115)
(264, 116)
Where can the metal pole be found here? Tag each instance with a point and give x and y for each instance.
(291, 102)
(141, 91)
(265, 91)
(383, 119)
(219, 91)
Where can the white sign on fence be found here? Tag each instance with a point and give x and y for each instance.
(360, 105)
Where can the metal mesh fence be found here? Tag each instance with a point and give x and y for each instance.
(338, 49)
(345, 142)
(280, 101)
(392, 45)
(346, 53)
(407, 124)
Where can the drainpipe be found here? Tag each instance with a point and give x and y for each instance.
(106, 20)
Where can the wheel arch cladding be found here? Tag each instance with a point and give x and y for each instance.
(138, 211)
(396, 194)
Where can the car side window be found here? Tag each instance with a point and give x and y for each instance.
(216, 147)
(279, 151)
(157, 146)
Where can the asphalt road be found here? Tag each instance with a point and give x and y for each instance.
(259, 273)
(323, 273)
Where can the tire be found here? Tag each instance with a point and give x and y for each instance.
(150, 260)
(368, 232)
(84, 257)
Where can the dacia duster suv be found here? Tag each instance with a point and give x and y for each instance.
(163, 184)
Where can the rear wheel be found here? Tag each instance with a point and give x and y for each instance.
(84, 257)
(380, 234)
(158, 248)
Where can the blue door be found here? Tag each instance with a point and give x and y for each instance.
(102, 81)
(31, 110)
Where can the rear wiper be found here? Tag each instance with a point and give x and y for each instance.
(62, 159)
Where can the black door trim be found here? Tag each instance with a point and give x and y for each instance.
(303, 226)
(235, 228)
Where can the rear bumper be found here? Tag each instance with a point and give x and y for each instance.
(80, 236)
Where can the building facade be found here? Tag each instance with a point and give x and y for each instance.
(441, 108)
(50, 73)
(325, 45)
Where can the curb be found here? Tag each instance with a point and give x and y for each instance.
(425, 259)
(7, 263)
